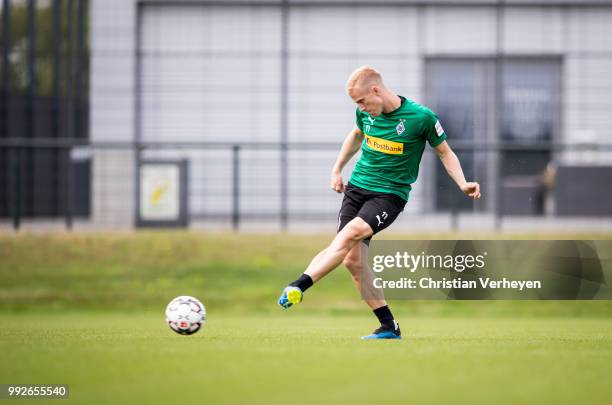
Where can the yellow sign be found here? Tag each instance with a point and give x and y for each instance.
(384, 146)
(159, 188)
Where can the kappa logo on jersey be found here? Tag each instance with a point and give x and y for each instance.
(371, 120)
(439, 128)
(384, 146)
(400, 128)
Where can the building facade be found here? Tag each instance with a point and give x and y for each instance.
(262, 84)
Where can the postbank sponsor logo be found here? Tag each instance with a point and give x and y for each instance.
(384, 146)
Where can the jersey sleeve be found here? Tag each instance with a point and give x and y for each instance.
(358, 119)
(433, 131)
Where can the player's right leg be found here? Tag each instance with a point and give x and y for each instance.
(293, 293)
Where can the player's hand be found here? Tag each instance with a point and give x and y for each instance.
(336, 182)
(472, 189)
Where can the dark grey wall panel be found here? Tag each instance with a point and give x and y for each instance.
(584, 191)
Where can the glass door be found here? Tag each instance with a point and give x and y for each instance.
(462, 92)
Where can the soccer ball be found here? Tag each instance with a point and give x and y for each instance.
(185, 315)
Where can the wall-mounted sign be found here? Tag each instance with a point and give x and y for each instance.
(162, 194)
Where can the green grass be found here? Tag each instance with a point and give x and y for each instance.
(87, 310)
(139, 270)
(295, 358)
(237, 272)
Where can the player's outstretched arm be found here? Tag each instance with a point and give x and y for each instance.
(453, 167)
(351, 145)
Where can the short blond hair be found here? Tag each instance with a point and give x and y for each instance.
(363, 76)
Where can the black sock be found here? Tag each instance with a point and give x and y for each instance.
(303, 283)
(385, 316)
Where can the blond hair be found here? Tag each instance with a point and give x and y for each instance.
(364, 76)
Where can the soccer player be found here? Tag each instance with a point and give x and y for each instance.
(391, 132)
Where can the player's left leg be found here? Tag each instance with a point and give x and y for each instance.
(356, 263)
(379, 211)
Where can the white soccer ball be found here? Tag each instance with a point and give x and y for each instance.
(185, 315)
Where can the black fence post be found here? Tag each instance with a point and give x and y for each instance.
(236, 187)
(70, 41)
(499, 190)
(499, 105)
(56, 107)
(16, 188)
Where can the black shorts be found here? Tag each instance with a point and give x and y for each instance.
(379, 210)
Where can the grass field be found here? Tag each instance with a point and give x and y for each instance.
(87, 310)
(286, 358)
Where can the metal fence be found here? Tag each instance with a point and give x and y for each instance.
(252, 189)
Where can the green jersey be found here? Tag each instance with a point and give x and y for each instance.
(393, 146)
